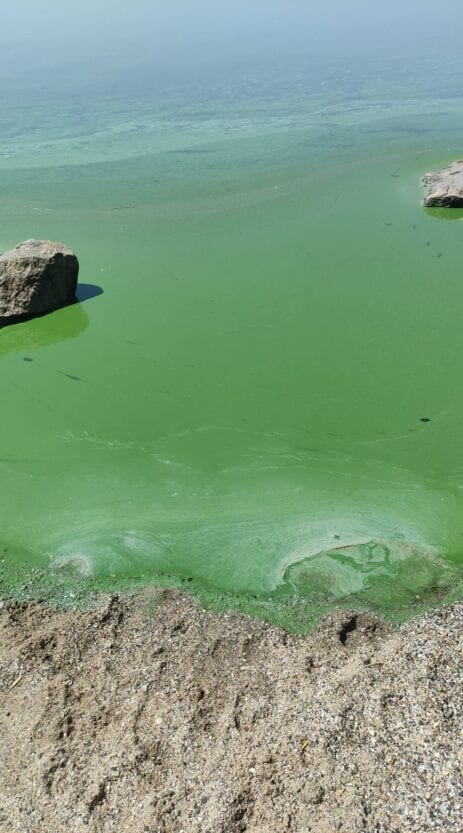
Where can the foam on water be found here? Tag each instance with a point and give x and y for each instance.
(74, 565)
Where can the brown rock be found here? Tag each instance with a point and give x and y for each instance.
(37, 276)
(445, 187)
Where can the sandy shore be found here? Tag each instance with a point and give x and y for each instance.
(150, 715)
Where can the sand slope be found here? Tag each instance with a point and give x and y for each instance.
(150, 715)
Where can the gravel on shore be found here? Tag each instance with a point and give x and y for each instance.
(151, 715)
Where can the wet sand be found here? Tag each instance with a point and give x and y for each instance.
(150, 715)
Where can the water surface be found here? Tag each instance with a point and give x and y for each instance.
(259, 395)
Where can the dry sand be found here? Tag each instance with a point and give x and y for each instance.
(150, 715)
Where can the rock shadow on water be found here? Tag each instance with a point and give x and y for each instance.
(51, 328)
(86, 291)
(444, 213)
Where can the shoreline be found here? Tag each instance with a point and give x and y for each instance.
(151, 714)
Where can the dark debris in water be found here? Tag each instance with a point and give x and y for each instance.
(27, 359)
(425, 419)
(70, 376)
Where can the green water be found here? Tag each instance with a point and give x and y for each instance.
(268, 315)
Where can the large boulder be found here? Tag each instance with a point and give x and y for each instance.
(445, 187)
(36, 277)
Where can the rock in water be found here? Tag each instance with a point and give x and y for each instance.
(37, 276)
(445, 187)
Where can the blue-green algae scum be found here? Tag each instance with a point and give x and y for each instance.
(259, 397)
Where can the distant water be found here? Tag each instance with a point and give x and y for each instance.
(264, 402)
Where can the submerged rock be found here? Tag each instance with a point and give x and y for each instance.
(445, 187)
(37, 276)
